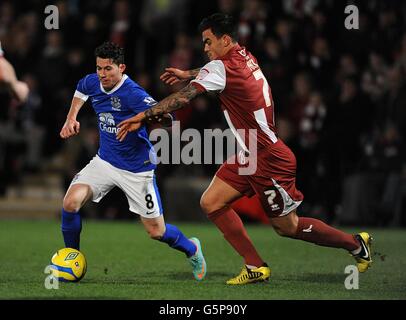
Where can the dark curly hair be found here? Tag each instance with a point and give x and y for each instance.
(220, 24)
(109, 50)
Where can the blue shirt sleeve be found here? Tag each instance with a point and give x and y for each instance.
(82, 86)
(141, 101)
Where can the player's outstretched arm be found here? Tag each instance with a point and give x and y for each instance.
(173, 76)
(71, 126)
(8, 76)
(171, 103)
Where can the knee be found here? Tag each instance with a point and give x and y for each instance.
(76, 197)
(155, 233)
(286, 230)
(71, 203)
(210, 204)
(204, 204)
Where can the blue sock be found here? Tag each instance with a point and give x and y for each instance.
(71, 227)
(177, 240)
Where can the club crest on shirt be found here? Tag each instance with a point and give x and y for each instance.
(242, 52)
(115, 103)
(202, 74)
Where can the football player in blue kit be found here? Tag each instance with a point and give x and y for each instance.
(129, 164)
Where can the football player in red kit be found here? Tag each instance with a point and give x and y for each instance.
(246, 99)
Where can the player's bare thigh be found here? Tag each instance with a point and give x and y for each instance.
(286, 225)
(218, 195)
(76, 197)
(155, 227)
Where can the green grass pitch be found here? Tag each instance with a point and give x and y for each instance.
(123, 263)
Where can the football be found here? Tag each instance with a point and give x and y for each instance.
(68, 265)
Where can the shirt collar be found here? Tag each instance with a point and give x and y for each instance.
(234, 49)
(116, 87)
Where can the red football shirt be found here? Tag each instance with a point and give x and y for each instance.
(244, 93)
(247, 103)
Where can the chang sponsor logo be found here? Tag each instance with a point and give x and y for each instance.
(107, 123)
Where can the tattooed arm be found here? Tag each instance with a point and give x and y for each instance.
(171, 103)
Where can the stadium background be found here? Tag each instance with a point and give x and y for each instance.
(340, 100)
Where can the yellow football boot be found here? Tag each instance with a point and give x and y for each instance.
(364, 258)
(251, 275)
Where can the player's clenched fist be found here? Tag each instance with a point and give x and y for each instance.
(70, 128)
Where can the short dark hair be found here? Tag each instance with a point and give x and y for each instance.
(109, 50)
(220, 24)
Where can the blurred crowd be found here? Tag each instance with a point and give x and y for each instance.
(340, 95)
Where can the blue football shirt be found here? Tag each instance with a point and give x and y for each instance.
(125, 100)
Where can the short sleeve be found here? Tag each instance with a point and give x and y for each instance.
(81, 90)
(141, 101)
(212, 77)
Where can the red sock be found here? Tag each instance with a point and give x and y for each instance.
(316, 231)
(230, 224)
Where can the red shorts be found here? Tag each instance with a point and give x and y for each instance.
(274, 179)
